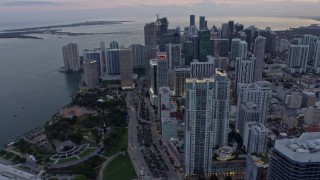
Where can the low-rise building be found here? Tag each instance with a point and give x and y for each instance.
(312, 115)
(308, 99)
(169, 129)
(8, 172)
(256, 168)
(227, 163)
(293, 100)
(175, 150)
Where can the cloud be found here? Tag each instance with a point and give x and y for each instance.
(28, 3)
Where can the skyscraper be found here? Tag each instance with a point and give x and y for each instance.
(220, 47)
(112, 62)
(296, 158)
(180, 76)
(149, 53)
(230, 32)
(97, 56)
(174, 54)
(234, 51)
(102, 45)
(309, 40)
(150, 35)
(126, 70)
(259, 93)
(114, 45)
(249, 38)
(196, 46)
(219, 62)
(255, 138)
(153, 63)
(224, 32)
(243, 49)
(239, 27)
(163, 25)
(162, 69)
(188, 52)
(165, 35)
(202, 23)
(248, 112)
(259, 48)
(138, 55)
(202, 69)
(244, 71)
(91, 73)
(270, 40)
(71, 56)
(316, 64)
(192, 20)
(297, 58)
(207, 110)
(204, 44)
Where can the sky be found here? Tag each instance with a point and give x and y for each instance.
(32, 10)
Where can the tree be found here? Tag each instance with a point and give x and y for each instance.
(201, 178)
(214, 177)
(80, 177)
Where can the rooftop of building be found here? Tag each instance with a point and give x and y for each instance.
(312, 128)
(199, 81)
(259, 84)
(250, 105)
(308, 93)
(161, 55)
(167, 120)
(225, 153)
(257, 126)
(260, 160)
(164, 90)
(90, 62)
(9, 172)
(304, 149)
(153, 62)
(220, 72)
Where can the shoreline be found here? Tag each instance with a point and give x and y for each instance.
(22, 136)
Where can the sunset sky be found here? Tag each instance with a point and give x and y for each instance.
(16, 10)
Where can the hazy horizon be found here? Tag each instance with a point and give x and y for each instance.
(68, 10)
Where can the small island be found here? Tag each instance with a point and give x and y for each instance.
(22, 33)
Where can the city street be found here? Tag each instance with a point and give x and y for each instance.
(133, 98)
(134, 148)
(156, 136)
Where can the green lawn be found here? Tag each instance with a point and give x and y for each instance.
(120, 168)
(91, 143)
(72, 158)
(86, 152)
(123, 143)
(9, 156)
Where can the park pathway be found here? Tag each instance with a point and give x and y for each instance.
(106, 163)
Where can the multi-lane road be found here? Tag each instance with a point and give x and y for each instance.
(134, 149)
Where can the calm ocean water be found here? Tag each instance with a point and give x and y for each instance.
(32, 89)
